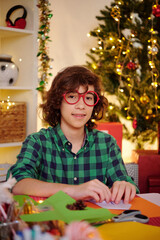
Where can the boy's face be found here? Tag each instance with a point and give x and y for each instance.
(77, 115)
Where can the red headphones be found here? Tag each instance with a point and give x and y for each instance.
(19, 22)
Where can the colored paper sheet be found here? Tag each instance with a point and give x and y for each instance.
(58, 202)
(21, 199)
(111, 205)
(129, 231)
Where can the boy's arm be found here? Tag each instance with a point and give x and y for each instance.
(93, 189)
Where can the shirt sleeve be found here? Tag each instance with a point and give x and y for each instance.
(116, 170)
(28, 160)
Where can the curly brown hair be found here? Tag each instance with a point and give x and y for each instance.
(70, 79)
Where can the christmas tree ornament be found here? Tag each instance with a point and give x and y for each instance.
(115, 13)
(154, 50)
(156, 10)
(131, 65)
(149, 111)
(144, 99)
(134, 124)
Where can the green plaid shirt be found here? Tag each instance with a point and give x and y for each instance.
(47, 156)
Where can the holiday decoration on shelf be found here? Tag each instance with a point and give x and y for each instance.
(127, 58)
(8, 71)
(43, 38)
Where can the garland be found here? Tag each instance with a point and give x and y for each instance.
(43, 38)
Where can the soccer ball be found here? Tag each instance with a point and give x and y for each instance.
(8, 71)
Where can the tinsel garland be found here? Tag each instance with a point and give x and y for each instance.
(43, 38)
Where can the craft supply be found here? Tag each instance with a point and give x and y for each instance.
(112, 205)
(126, 216)
(78, 205)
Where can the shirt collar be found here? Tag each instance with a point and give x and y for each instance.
(63, 141)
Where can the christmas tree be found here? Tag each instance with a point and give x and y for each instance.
(127, 58)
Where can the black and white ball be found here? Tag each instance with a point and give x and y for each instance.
(8, 71)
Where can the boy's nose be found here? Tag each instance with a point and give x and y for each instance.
(81, 102)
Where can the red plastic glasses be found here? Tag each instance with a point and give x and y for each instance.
(90, 98)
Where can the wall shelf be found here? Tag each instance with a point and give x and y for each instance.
(22, 45)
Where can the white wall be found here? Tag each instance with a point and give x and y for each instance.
(71, 21)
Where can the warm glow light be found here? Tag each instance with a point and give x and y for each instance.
(88, 34)
(128, 117)
(94, 66)
(40, 201)
(110, 107)
(121, 90)
(155, 84)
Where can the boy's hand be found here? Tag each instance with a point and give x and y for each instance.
(122, 189)
(93, 189)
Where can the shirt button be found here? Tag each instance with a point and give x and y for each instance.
(75, 178)
(75, 157)
(69, 143)
(84, 148)
(62, 149)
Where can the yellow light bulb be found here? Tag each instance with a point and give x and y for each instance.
(128, 117)
(94, 66)
(110, 107)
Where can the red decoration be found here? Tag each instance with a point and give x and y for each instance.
(134, 124)
(156, 10)
(131, 65)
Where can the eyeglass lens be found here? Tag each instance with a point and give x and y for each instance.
(90, 98)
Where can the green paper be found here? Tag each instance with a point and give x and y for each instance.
(58, 202)
(21, 198)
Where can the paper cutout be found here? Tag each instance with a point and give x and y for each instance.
(59, 201)
(111, 205)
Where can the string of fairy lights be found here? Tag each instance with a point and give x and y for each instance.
(123, 46)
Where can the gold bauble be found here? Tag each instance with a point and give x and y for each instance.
(115, 13)
(144, 99)
(149, 111)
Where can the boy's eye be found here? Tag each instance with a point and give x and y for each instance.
(89, 97)
(71, 95)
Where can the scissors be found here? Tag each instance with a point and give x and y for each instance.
(126, 216)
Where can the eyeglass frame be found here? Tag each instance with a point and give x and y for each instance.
(83, 96)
